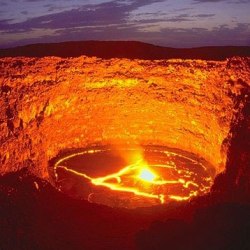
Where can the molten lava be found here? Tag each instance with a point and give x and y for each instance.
(150, 182)
(147, 175)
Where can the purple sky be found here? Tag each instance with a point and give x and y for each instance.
(174, 23)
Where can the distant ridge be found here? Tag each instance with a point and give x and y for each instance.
(124, 49)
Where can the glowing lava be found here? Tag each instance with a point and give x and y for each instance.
(147, 175)
(152, 181)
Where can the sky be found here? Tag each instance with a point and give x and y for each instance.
(171, 23)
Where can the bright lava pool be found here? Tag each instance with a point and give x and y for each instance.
(132, 177)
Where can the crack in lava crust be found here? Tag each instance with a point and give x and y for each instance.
(130, 177)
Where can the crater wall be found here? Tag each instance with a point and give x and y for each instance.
(50, 104)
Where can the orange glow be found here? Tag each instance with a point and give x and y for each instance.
(136, 179)
(151, 181)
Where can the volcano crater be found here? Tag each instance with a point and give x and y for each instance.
(51, 104)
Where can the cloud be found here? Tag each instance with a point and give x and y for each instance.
(240, 1)
(3, 4)
(112, 21)
(163, 18)
(221, 35)
(114, 12)
(4, 23)
(171, 37)
(209, 1)
(179, 19)
(204, 15)
(24, 12)
(188, 18)
(228, 1)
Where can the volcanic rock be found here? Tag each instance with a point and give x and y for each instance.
(51, 104)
